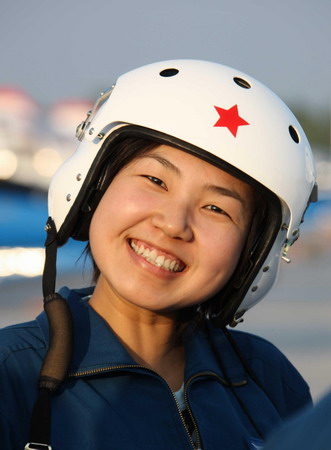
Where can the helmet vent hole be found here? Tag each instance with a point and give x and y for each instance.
(169, 72)
(242, 83)
(294, 134)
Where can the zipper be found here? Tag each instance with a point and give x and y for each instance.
(137, 366)
(186, 386)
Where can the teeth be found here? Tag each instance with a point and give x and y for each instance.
(157, 260)
(166, 264)
(146, 253)
(160, 260)
(141, 250)
(152, 256)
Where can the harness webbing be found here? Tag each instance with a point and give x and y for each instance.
(56, 363)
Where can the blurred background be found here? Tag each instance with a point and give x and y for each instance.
(55, 59)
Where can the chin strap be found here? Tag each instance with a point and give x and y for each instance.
(57, 359)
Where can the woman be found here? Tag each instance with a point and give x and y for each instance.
(190, 180)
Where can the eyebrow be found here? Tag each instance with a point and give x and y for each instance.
(220, 190)
(165, 162)
(224, 191)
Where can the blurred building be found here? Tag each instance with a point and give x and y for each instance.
(35, 140)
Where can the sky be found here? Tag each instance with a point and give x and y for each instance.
(62, 49)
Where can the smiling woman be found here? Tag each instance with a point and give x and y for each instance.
(177, 237)
(184, 190)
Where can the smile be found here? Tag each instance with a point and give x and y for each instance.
(157, 259)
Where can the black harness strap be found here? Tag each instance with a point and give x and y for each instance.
(57, 360)
(40, 421)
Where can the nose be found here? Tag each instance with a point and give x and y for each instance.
(175, 221)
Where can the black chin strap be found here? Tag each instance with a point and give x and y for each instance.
(57, 360)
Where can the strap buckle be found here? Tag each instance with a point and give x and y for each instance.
(36, 446)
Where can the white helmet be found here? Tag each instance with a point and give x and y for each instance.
(219, 114)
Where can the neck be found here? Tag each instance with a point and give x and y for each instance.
(150, 337)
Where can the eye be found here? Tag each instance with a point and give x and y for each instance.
(216, 210)
(155, 180)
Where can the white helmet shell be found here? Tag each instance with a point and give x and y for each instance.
(219, 110)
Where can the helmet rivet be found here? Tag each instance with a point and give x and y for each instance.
(78, 176)
(47, 227)
(91, 131)
(254, 288)
(266, 268)
(68, 197)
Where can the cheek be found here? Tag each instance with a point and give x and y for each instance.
(222, 253)
(119, 209)
(218, 264)
(97, 235)
(113, 207)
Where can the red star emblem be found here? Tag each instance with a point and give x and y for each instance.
(230, 118)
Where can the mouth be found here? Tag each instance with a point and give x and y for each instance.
(157, 258)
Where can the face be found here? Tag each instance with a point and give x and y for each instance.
(169, 231)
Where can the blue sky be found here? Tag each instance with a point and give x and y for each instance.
(75, 48)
